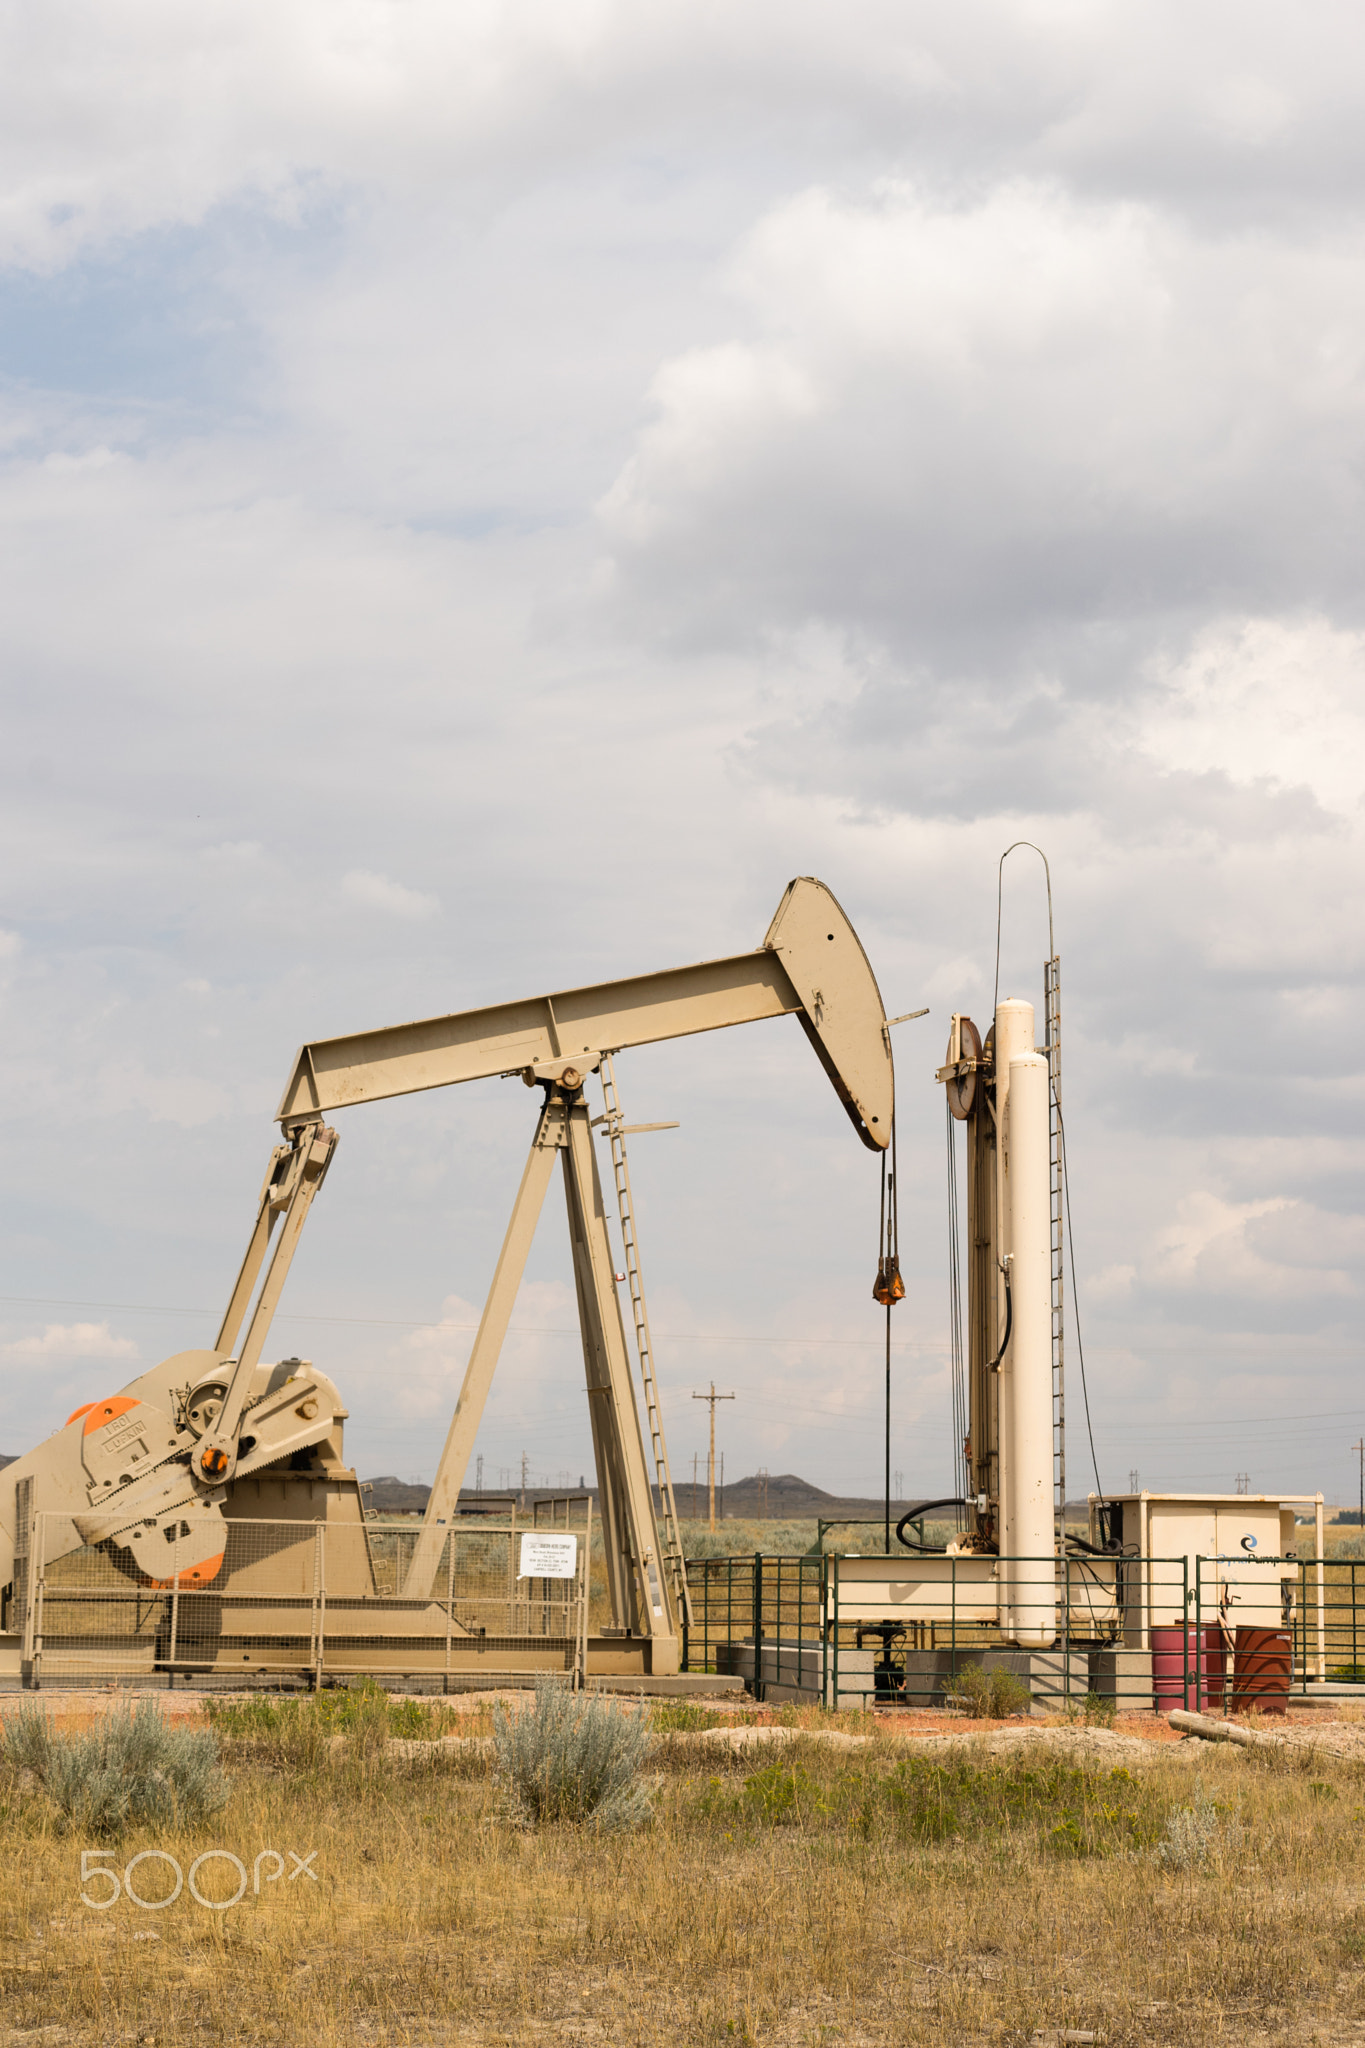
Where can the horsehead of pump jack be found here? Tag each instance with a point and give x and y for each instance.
(158, 1464)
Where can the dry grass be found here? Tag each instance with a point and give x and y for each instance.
(888, 1893)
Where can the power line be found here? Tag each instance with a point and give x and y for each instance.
(147, 1308)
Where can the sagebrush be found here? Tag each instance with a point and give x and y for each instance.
(1191, 1836)
(133, 1768)
(574, 1757)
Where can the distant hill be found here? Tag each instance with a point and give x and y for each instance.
(781, 1497)
(391, 1496)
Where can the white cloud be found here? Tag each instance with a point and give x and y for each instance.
(233, 853)
(1273, 1248)
(951, 417)
(72, 1341)
(1281, 701)
(425, 1368)
(116, 120)
(1113, 1284)
(377, 892)
(423, 1371)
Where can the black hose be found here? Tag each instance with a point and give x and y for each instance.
(1009, 1321)
(913, 1515)
(1104, 1549)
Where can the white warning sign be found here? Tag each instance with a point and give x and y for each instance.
(548, 1557)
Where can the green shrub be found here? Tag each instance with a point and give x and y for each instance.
(1043, 1806)
(134, 1767)
(685, 1717)
(1062, 1809)
(1100, 1710)
(300, 1731)
(782, 1795)
(574, 1757)
(991, 1695)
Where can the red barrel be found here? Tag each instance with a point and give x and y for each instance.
(1177, 1655)
(1216, 1663)
(1262, 1671)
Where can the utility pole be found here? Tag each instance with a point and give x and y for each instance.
(712, 1397)
(1132, 1480)
(478, 1475)
(525, 1461)
(1361, 1448)
(1244, 1482)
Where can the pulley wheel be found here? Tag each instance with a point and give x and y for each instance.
(962, 1090)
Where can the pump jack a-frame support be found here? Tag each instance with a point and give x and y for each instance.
(641, 1601)
(811, 965)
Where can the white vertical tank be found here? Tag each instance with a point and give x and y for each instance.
(1026, 1370)
(1013, 1040)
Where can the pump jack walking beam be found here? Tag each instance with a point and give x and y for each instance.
(810, 965)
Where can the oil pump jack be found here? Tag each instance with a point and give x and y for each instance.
(158, 1474)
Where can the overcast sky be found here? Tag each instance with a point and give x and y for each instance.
(490, 493)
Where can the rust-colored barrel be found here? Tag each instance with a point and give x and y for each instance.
(1262, 1671)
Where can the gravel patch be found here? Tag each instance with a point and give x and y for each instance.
(1097, 1745)
(760, 1738)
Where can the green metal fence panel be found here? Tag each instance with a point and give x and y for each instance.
(759, 1617)
(871, 1630)
(904, 1631)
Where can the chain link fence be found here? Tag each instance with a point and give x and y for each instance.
(306, 1600)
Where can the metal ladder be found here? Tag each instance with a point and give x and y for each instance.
(1052, 998)
(674, 1562)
